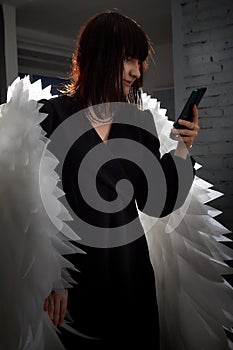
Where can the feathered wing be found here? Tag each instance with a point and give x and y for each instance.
(195, 302)
(34, 235)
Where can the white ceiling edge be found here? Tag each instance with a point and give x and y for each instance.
(15, 3)
(43, 42)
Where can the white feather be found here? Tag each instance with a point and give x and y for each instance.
(31, 247)
(195, 302)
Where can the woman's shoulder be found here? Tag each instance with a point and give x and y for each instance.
(57, 109)
(56, 104)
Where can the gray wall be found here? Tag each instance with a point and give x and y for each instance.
(203, 56)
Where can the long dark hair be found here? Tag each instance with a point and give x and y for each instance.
(97, 64)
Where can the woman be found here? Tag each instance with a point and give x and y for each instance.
(114, 301)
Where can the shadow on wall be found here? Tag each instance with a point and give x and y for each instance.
(166, 97)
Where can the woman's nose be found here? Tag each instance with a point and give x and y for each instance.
(135, 69)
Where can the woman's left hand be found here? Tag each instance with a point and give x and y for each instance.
(187, 136)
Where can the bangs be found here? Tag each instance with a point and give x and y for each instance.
(132, 39)
(122, 35)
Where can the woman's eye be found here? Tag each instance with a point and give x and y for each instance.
(127, 59)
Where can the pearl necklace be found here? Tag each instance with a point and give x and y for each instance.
(99, 119)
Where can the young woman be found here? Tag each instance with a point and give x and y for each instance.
(114, 302)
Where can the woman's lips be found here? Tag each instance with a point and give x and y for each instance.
(128, 83)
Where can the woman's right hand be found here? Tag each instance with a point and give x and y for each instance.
(56, 306)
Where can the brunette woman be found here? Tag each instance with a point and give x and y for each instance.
(114, 302)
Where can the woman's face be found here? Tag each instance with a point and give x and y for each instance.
(131, 72)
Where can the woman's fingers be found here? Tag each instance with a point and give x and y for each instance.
(51, 306)
(63, 310)
(187, 135)
(46, 305)
(56, 306)
(184, 132)
(195, 114)
(191, 125)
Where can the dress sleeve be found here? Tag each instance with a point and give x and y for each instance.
(178, 174)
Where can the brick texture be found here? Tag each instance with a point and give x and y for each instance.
(207, 29)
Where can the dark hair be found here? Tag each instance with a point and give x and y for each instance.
(97, 64)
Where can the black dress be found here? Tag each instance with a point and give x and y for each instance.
(114, 301)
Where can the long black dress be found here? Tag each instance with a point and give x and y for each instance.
(114, 301)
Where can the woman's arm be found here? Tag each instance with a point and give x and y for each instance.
(177, 169)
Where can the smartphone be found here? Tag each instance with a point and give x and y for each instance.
(194, 99)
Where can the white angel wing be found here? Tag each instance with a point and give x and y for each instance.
(34, 235)
(195, 302)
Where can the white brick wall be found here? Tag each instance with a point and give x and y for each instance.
(207, 48)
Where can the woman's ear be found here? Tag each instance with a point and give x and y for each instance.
(145, 65)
